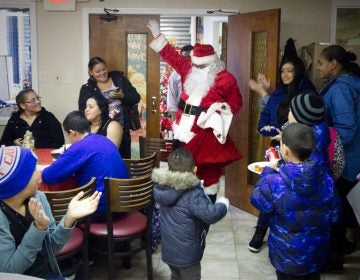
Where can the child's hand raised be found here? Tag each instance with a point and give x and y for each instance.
(80, 208)
(41, 221)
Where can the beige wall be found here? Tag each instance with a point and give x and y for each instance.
(60, 46)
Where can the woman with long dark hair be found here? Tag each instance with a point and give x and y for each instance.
(119, 92)
(97, 113)
(292, 83)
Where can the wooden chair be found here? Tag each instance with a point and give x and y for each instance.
(59, 201)
(163, 147)
(134, 199)
(142, 166)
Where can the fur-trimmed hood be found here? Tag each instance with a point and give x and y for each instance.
(174, 179)
(170, 185)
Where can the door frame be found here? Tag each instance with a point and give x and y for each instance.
(136, 11)
(237, 184)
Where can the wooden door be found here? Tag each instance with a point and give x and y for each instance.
(124, 45)
(252, 47)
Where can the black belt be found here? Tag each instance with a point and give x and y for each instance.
(188, 109)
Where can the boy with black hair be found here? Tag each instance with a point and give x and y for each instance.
(29, 237)
(90, 155)
(185, 214)
(302, 204)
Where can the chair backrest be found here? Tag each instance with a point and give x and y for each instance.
(128, 195)
(59, 200)
(163, 147)
(142, 166)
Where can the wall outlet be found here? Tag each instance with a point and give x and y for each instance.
(58, 78)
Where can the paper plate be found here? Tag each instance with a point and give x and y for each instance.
(41, 167)
(257, 167)
(61, 150)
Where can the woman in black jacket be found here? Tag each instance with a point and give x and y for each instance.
(119, 92)
(31, 116)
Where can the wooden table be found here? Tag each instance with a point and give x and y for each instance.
(44, 158)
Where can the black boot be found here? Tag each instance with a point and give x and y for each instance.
(257, 240)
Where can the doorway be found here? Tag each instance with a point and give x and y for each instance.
(126, 49)
(246, 33)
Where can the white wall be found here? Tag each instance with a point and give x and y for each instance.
(60, 46)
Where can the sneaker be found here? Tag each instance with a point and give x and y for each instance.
(71, 277)
(257, 240)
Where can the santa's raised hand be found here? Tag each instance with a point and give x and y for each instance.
(154, 27)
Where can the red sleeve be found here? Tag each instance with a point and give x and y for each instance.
(181, 64)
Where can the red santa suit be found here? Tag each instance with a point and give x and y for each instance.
(204, 115)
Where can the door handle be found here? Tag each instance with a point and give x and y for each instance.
(153, 102)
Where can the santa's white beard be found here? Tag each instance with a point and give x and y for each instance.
(199, 81)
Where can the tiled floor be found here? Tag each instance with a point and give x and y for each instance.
(226, 256)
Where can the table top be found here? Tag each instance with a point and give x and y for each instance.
(45, 158)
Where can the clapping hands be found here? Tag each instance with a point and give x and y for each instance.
(81, 208)
(261, 85)
(41, 220)
(265, 83)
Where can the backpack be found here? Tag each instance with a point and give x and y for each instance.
(336, 154)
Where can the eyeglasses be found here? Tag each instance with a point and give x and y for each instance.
(33, 100)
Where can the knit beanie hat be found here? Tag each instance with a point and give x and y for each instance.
(307, 108)
(203, 54)
(17, 165)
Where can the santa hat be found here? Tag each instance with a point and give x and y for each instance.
(203, 54)
(17, 165)
(307, 108)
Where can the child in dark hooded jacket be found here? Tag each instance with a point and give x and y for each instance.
(185, 214)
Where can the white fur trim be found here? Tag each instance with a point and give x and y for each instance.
(203, 59)
(182, 131)
(212, 189)
(159, 43)
(223, 200)
(218, 117)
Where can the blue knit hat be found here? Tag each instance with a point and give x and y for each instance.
(17, 165)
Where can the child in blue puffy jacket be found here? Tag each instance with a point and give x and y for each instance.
(302, 203)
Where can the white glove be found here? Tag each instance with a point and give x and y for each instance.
(223, 200)
(154, 27)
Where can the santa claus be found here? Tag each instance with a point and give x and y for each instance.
(210, 97)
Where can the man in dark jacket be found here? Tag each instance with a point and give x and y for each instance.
(185, 214)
